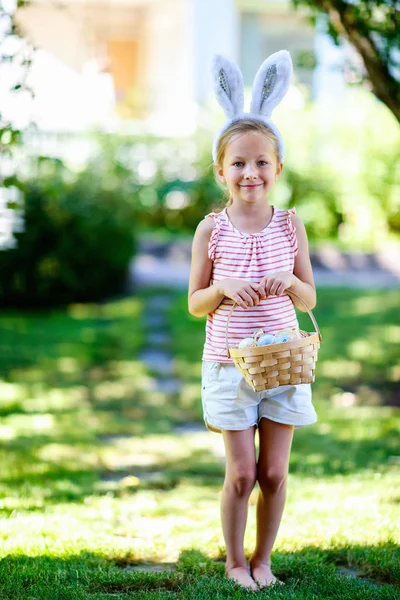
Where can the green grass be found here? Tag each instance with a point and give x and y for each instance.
(100, 498)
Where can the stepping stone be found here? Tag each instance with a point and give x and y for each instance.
(120, 475)
(157, 361)
(150, 568)
(347, 572)
(130, 479)
(158, 338)
(154, 321)
(190, 428)
(168, 386)
(112, 477)
(159, 303)
(154, 476)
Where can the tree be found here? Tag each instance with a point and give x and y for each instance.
(13, 50)
(16, 59)
(373, 28)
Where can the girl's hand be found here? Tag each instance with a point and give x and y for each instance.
(243, 292)
(275, 284)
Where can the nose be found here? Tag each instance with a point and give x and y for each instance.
(250, 173)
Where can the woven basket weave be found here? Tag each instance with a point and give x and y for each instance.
(288, 363)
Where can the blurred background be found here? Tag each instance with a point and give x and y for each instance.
(121, 91)
(106, 123)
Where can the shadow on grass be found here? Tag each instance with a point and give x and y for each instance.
(329, 454)
(44, 346)
(350, 572)
(49, 469)
(86, 357)
(38, 483)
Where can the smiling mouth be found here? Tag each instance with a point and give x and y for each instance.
(251, 186)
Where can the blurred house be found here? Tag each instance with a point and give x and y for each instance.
(144, 65)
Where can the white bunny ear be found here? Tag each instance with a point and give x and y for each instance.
(271, 83)
(228, 86)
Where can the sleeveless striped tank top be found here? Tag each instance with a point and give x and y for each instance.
(249, 256)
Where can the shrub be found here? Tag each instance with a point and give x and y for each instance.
(78, 239)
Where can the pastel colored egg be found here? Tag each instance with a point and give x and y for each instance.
(280, 339)
(293, 334)
(266, 339)
(247, 343)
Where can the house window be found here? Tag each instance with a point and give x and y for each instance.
(124, 67)
(267, 31)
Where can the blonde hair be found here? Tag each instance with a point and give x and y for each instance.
(241, 127)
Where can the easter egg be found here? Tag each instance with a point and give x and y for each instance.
(247, 343)
(292, 334)
(265, 339)
(281, 338)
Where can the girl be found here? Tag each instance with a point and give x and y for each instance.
(250, 253)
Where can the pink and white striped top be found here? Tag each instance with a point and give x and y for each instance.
(249, 256)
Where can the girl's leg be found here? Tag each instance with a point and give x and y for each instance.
(272, 471)
(240, 478)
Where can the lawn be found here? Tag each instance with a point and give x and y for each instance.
(109, 487)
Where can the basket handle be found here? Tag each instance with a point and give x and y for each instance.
(289, 293)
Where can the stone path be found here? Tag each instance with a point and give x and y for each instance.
(159, 361)
(353, 573)
(157, 358)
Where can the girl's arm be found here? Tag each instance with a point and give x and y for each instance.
(301, 281)
(204, 298)
(303, 284)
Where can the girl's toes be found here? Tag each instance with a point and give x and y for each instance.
(241, 576)
(263, 575)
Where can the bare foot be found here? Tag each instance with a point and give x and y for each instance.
(263, 575)
(241, 576)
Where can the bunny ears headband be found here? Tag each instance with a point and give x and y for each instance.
(270, 85)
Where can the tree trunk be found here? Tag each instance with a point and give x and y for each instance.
(384, 86)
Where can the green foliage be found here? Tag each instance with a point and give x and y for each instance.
(9, 137)
(379, 17)
(21, 59)
(372, 27)
(78, 238)
(181, 188)
(341, 172)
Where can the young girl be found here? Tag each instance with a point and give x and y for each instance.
(250, 254)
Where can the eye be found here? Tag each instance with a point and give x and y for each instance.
(263, 162)
(238, 164)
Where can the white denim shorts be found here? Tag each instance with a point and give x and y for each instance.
(229, 402)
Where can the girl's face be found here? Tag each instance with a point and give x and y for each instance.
(249, 167)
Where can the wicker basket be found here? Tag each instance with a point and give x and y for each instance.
(288, 363)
